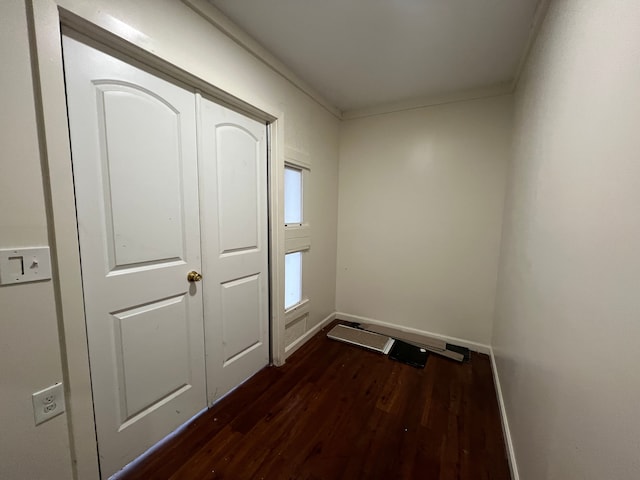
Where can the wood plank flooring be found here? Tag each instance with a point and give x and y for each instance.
(336, 411)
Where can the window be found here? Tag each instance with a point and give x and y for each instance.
(292, 196)
(292, 279)
(297, 233)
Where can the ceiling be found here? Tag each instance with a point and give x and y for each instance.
(363, 53)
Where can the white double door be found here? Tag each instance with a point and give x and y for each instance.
(166, 183)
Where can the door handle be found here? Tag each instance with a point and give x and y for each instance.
(194, 276)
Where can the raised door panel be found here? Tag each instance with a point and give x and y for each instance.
(151, 376)
(237, 158)
(140, 142)
(241, 327)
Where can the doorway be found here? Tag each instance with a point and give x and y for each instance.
(171, 204)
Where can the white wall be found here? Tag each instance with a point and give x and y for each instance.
(567, 326)
(29, 335)
(29, 350)
(420, 211)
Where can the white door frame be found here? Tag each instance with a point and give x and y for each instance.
(46, 20)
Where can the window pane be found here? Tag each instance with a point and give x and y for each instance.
(292, 279)
(292, 195)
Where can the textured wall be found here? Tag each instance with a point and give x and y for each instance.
(29, 348)
(566, 332)
(420, 212)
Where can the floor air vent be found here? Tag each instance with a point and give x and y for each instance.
(355, 336)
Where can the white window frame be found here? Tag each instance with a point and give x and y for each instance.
(295, 270)
(301, 173)
(298, 236)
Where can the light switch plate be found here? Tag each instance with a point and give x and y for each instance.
(48, 403)
(20, 265)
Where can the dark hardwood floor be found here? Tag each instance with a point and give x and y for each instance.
(335, 411)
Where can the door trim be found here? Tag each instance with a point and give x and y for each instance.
(46, 19)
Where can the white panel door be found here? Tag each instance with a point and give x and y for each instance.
(233, 186)
(134, 145)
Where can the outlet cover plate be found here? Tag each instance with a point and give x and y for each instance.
(48, 403)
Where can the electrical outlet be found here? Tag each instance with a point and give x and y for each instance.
(48, 403)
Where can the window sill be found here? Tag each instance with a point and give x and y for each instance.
(296, 311)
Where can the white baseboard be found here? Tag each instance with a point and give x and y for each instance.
(511, 455)
(296, 344)
(475, 346)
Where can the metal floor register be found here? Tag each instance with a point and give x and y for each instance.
(362, 338)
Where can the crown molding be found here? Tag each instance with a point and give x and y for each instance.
(504, 88)
(223, 23)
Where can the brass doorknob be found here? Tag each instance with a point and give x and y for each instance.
(194, 276)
